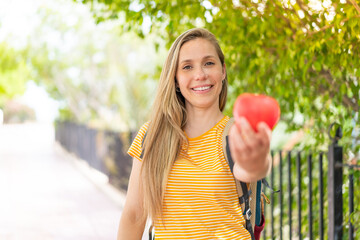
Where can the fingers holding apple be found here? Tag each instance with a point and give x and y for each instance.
(246, 144)
(246, 131)
(255, 115)
(265, 132)
(249, 150)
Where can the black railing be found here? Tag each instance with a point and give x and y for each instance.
(300, 210)
(102, 150)
(296, 212)
(335, 180)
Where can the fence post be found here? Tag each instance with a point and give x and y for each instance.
(335, 182)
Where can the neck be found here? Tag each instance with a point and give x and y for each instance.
(200, 121)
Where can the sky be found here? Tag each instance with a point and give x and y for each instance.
(18, 19)
(37, 98)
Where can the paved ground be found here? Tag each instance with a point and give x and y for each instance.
(45, 193)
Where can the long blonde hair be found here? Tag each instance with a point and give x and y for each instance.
(165, 134)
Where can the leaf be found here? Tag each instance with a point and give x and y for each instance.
(317, 66)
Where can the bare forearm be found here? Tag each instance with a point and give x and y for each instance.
(130, 228)
(132, 224)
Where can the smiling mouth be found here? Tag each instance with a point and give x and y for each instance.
(202, 88)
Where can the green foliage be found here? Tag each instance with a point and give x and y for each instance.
(14, 73)
(65, 114)
(302, 53)
(101, 75)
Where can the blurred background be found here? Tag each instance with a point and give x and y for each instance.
(77, 80)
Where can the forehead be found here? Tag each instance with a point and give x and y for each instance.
(197, 48)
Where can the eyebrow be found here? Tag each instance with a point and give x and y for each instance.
(190, 60)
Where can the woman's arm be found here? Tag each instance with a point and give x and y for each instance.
(250, 150)
(132, 223)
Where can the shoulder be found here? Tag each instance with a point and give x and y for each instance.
(135, 149)
(225, 125)
(223, 130)
(142, 131)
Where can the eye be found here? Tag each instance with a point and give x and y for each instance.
(209, 63)
(186, 67)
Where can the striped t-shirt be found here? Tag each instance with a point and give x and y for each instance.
(200, 200)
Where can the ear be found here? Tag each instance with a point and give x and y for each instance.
(224, 71)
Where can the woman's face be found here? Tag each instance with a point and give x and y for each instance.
(199, 74)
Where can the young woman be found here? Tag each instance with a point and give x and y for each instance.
(180, 178)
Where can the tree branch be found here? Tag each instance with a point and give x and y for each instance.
(353, 2)
(330, 26)
(297, 15)
(255, 6)
(334, 88)
(306, 12)
(284, 18)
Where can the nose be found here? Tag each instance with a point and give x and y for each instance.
(200, 74)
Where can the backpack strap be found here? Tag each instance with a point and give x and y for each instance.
(227, 155)
(244, 192)
(259, 207)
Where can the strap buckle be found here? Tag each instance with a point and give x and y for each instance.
(245, 197)
(248, 214)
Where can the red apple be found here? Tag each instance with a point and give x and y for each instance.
(257, 108)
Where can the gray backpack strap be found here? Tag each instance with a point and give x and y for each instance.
(225, 134)
(245, 194)
(227, 155)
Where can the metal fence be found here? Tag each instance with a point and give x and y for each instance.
(310, 203)
(308, 206)
(102, 150)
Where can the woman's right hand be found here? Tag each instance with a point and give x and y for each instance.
(250, 150)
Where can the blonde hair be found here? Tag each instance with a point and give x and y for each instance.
(165, 134)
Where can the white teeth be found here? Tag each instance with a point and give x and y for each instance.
(202, 88)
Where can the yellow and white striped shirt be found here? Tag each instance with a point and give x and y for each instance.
(200, 199)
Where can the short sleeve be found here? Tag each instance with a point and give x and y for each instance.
(136, 146)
